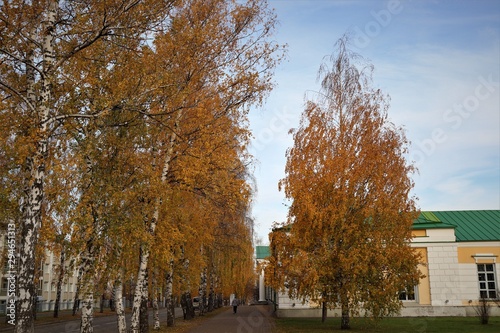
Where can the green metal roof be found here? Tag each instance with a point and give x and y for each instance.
(429, 220)
(470, 225)
(262, 252)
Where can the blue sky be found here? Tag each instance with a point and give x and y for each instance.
(440, 63)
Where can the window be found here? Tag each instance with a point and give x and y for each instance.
(407, 295)
(5, 284)
(487, 281)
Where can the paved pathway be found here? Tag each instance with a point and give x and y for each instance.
(102, 324)
(248, 319)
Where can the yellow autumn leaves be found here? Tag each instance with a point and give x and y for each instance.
(124, 135)
(351, 211)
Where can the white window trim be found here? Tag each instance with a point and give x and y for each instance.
(479, 256)
(415, 291)
(495, 279)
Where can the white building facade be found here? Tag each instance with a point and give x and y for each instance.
(460, 252)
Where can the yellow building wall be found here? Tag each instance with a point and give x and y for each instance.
(466, 254)
(424, 289)
(419, 233)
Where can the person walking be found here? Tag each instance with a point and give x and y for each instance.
(234, 303)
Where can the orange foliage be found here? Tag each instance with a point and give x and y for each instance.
(347, 239)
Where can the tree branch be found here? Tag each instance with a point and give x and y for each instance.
(18, 94)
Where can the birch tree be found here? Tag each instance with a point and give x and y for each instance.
(119, 306)
(38, 39)
(81, 75)
(169, 302)
(350, 219)
(214, 61)
(108, 198)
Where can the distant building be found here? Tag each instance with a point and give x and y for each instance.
(460, 250)
(46, 288)
(261, 253)
(48, 284)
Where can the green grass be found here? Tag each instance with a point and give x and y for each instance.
(390, 325)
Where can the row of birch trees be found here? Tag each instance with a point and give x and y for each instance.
(124, 139)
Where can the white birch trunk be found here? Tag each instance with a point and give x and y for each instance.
(87, 321)
(202, 291)
(34, 189)
(139, 290)
(143, 314)
(144, 253)
(87, 275)
(87, 281)
(168, 296)
(156, 313)
(120, 311)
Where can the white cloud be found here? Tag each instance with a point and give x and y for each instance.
(430, 58)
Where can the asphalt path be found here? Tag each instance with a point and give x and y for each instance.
(102, 324)
(248, 319)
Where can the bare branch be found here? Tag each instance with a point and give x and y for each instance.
(18, 94)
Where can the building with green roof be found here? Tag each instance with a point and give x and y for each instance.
(262, 252)
(469, 225)
(261, 255)
(459, 251)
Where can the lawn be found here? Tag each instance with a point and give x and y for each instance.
(390, 325)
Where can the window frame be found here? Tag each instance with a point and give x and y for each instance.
(406, 294)
(490, 276)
